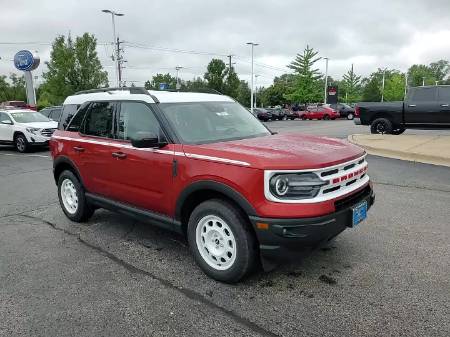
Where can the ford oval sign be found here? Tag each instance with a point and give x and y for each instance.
(25, 60)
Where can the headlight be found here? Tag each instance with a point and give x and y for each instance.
(295, 185)
(33, 130)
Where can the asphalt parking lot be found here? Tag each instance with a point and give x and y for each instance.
(113, 276)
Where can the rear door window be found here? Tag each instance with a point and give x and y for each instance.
(423, 94)
(444, 94)
(99, 120)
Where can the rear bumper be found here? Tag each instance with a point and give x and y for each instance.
(357, 120)
(286, 237)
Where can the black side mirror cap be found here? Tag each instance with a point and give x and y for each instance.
(147, 140)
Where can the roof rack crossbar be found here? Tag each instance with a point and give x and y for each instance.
(132, 90)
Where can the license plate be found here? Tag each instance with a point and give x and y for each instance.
(359, 213)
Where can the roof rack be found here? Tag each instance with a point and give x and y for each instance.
(132, 90)
(200, 91)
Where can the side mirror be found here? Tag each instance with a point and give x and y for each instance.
(147, 140)
(6, 121)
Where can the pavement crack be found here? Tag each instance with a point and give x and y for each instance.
(412, 186)
(184, 291)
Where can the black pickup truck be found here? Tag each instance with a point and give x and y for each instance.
(425, 107)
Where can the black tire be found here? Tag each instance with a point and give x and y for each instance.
(245, 242)
(381, 126)
(83, 211)
(326, 117)
(350, 116)
(398, 131)
(303, 118)
(21, 143)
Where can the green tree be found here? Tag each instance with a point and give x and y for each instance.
(440, 69)
(350, 86)
(244, 93)
(394, 89)
(420, 73)
(196, 84)
(215, 75)
(73, 67)
(12, 88)
(231, 85)
(306, 87)
(161, 78)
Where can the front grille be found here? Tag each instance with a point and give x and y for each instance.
(47, 132)
(352, 199)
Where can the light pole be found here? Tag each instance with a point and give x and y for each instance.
(326, 81)
(436, 82)
(177, 68)
(251, 91)
(406, 85)
(382, 85)
(256, 89)
(423, 81)
(115, 42)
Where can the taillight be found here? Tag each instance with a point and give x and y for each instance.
(357, 111)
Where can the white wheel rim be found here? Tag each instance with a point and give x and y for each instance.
(215, 242)
(350, 116)
(69, 196)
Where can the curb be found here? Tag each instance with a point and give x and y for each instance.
(403, 155)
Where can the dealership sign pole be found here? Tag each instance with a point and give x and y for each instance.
(26, 61)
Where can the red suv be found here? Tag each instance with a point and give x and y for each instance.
(204, 166)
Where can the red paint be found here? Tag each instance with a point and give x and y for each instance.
(144, 178)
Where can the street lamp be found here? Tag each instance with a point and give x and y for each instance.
(256, 89)
(326, 80)
(382, 84)
(115, 43)
(423, 81)
(251, 91)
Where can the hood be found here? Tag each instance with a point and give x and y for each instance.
(282, 151)
(40, 125)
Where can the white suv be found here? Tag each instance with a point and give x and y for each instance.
(25, 128)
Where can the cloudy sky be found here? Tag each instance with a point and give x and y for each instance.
(369, 34)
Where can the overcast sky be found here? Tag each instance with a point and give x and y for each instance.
(369, 34)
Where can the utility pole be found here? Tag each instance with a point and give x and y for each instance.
(252, 88)
(406, 85)
(229, 61)
(326, 81)
(120, 61)
(177, 85)
(116, 56)
(382, 85)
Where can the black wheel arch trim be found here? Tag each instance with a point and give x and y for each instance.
(66, 161)
(211, 185)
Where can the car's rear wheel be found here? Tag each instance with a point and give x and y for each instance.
(221, 241)
(72, 198)
(381, 126)
(350, 116)
(21, 143)
(303, 117)
(326, 117)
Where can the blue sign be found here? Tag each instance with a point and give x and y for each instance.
(25, 61)
(163, 86)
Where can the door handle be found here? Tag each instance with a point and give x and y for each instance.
(119, 155)
(412, 105)
(444, 105)
(78, 149)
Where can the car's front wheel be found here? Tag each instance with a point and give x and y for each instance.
(72, 198)
(221, 241)
(21, 143)
(350, 116)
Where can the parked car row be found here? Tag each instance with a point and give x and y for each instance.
(318, 111)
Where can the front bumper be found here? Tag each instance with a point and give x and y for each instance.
(285, 237)
(37, 140)
(357, 120)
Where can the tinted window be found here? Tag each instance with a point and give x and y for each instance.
(68, 111)
(75, 123)
(444, 94)
(45, 112)
(135, 118)
(56, 113)
(423, 94)
(98, 120)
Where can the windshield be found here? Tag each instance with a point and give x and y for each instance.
(29, 117)
(208, 122)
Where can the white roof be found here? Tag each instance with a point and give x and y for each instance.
(16, 110)
(161, 96)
